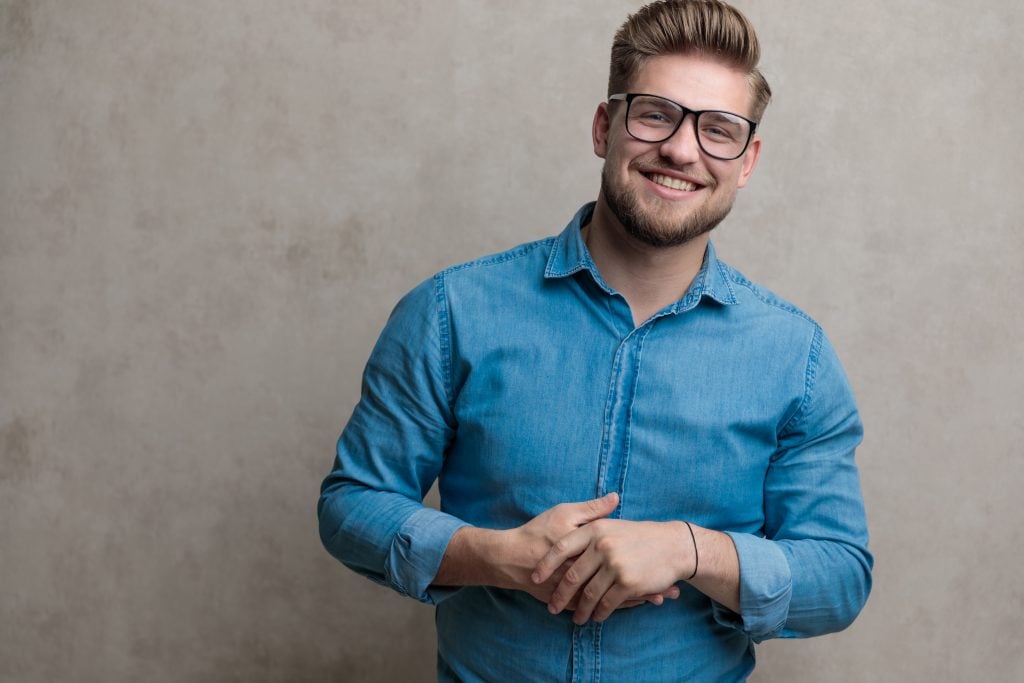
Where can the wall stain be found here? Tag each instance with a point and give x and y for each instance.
(322, 254)
(15, 26)
(15, 450)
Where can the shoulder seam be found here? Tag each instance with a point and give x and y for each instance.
(500, 257)
(775, 302)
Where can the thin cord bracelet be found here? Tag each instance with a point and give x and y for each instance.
(696, 555)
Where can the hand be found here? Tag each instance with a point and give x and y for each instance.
(533, 541)
(621, 562)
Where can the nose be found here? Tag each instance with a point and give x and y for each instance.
(682, 148)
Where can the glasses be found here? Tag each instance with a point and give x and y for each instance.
(720, 134)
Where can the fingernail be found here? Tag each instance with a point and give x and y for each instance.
(535, 577)
(551, 608)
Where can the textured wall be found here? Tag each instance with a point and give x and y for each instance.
(207, 210)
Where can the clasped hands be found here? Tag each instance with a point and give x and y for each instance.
(596, 565)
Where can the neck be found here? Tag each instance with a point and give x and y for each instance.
(650, 278)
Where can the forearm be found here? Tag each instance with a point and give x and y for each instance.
(718, 567)
(476, 557)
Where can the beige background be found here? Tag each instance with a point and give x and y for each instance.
(207, 210)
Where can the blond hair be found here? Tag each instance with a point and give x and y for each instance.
(706, 27)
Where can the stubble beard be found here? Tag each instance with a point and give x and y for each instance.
(648, 229)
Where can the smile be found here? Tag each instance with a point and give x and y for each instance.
(672, 183)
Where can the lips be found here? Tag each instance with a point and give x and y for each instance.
(671, 183)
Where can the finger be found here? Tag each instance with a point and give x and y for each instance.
(610, 602)
(596, 508)
(564, 548)
(592, 594)
(576, 576)
(670, 594)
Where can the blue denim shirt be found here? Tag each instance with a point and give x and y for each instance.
(518, 381)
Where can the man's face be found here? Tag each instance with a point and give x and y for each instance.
(668, 193)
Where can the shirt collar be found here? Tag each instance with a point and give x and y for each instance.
(569, 255)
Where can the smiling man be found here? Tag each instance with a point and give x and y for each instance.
(645, 461)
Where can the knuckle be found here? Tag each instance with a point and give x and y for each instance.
(571, 576)
(590, 592)
(618, 567)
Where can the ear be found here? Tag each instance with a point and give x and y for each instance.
(602, 125)
(750, 158)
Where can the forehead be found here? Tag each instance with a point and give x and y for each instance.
(695, 81)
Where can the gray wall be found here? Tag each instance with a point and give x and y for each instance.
(207, 210)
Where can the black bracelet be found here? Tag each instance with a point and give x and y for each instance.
(696, 555)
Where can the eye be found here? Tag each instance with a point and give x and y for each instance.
(722, 127)
(654, 117)
(653, 112)
(718, 133)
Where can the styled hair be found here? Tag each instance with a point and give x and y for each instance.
(705, 27)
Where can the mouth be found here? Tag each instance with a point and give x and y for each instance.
(672, 182)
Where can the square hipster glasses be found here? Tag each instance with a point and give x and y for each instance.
(652, 118)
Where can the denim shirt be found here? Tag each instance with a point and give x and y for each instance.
(518, 381)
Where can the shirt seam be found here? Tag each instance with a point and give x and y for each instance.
(810, 374)
(773, 302)
(501, 257)
(444, 338)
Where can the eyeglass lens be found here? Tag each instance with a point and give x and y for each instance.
(720, 134)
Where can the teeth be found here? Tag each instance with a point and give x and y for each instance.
(674, 183)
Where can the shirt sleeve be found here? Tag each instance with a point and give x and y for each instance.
(810, 573)
(371, 513)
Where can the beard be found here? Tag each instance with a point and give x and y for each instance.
(653, 230)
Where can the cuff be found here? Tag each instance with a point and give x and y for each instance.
(416, 553)
(765, 588)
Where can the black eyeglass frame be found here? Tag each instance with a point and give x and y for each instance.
(630, 96)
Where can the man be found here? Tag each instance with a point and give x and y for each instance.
(645, 461)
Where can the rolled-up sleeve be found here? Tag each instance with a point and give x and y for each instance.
(810, 573)
(370, 510)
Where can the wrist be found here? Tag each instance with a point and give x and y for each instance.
(510, 563)
(687, 555)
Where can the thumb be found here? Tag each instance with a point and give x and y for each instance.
(596, 508)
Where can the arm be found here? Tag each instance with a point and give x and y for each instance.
(811, 572)
(370, 510)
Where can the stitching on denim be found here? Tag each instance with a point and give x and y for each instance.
(725, 279)
(810, 374)
(502, 257)
(627, 446)
(604, 456)
(576, 653)
(444, 335)
(767, 297)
